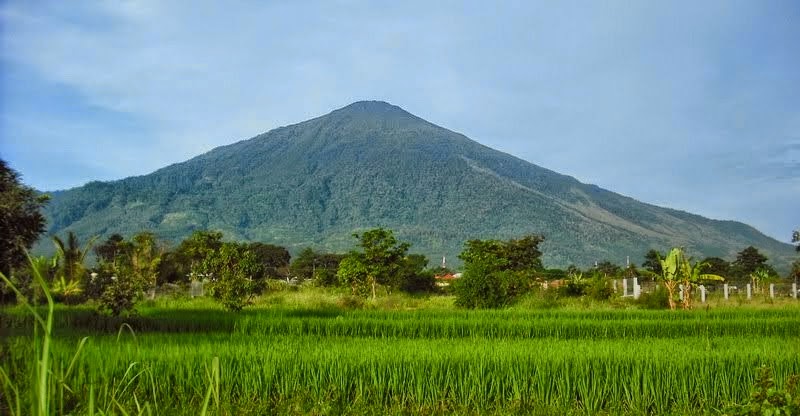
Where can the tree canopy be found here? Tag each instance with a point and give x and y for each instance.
(748, 261)
(496, 272)
(381, 256)
(652, 261)
(21, 221)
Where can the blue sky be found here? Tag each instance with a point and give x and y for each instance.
(691, 105)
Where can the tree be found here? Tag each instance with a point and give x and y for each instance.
(21, 221)
(608, 269)
(304, 265)
(717, 266)
(415, 276)
(321, 267)
(747, 262)
(232, 269)
(524, 254)
(381, 255)
(109, 249)
(652, 261)
(354, 274)
(126, 270)
(145, 259)
(495, 272)
(795, 272)
(275, 259)
(678, 270)
(194, 249)
(691, 276)
(671, 273)
(71, 273)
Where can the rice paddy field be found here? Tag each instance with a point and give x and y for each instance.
(284, 360)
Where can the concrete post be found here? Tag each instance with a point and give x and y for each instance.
(702, 294)
(636, 288)
(749, 292)
(772, 290)
(725, 289)
(624, 287)
(614, 285)
(794, 291)
(680, 292)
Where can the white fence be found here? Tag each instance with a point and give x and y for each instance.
(632, 288)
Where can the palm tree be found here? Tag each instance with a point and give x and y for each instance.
(71, 269)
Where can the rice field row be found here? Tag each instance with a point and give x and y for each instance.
(287, 361)
(626, 324)
(656, 376)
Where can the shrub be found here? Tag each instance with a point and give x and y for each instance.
(120, 295)
(766, 399)
(325, 277)
(232, 269)
(599, 289)
(422, 282)
(657, 299)
(476, 289)
(540, 299)
(350, 302)
(572, 288)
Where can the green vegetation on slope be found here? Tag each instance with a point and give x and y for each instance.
(370, 165)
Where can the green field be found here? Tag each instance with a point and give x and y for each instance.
(284, 359)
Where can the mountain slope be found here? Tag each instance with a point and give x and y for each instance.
(373, 164)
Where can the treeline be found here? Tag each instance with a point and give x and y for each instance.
(128, 270)
(496, 273)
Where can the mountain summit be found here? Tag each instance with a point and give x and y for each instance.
(373, 164)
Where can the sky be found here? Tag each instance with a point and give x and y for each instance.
(685, 104)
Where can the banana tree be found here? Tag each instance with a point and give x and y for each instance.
(757, 277)
(691, 276)
(671, 267)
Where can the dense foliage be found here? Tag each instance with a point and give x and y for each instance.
(233, 271)
(21, 221)
(497, 272)
(381, 259)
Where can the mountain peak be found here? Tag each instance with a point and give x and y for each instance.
(372, 107)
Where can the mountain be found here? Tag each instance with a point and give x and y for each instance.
(373, 164)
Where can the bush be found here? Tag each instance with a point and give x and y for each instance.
(599, 289)
(540, 299)
(232, 269)
(422, 282)
(767, 399)
(572, 288)
(325, 278)
(476, 289)
(657, 299)
(120, 296)
(350, 302)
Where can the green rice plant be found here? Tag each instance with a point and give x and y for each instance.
(42, 383)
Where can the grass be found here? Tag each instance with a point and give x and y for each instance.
(307, 352)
